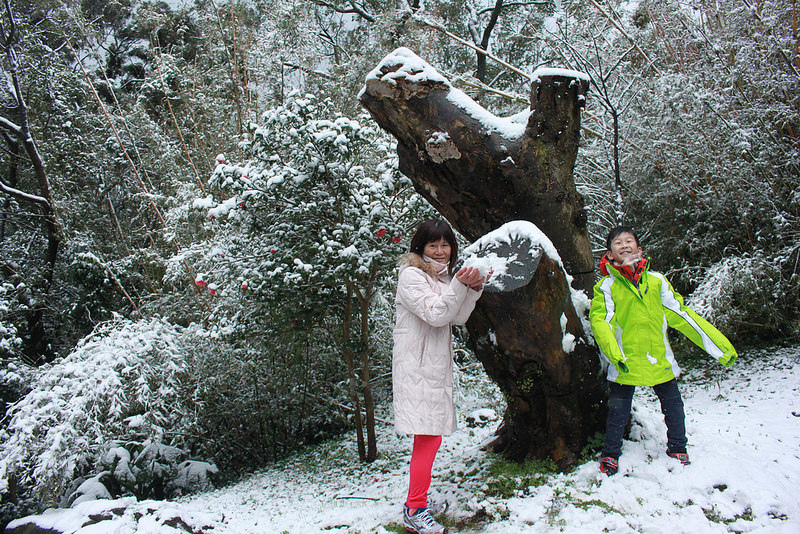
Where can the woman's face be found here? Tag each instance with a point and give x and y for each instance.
(438, 250)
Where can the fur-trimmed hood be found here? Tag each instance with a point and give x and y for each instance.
(412, 259)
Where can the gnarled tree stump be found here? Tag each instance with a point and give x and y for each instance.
(481, 171)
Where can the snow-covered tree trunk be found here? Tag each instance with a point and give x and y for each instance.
(481, 171)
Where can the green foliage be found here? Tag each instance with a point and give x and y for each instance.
(308, 231)
(715, 517)
(594, 444)
(508, 479)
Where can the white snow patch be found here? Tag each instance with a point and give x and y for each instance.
(438, 138)
(509, 129)
(554, 71)
(568, 341)
(409, 66)
(743, 430)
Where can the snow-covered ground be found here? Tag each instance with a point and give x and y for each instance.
(744, 441)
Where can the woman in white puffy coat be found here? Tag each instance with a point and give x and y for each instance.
(428, 301)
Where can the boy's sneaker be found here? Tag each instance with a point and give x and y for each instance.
(421, 522)
(682, 457)
(609, 465)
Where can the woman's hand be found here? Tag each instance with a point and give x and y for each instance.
(471, 276)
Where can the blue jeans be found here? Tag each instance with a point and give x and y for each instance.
(619, 410)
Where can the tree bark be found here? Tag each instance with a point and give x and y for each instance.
(479, 174)
(366, 384)
(352, 378)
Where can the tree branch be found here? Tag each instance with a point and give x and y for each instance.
(438, 27)
(515, 4)
(354, 8)
(16, 193)
(487, 32)
(11, 127)
(624, 33)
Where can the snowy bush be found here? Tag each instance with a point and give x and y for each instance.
(153, 470)
(13, 374)
(10, 341)
(127, 383)
(741, 293)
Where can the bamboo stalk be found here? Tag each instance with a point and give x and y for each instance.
(779, 48)
(233, 69)
(119, 286)
(133, 167)
(172, 114)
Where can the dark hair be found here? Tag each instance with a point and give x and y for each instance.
(433, 230)
(620, 230)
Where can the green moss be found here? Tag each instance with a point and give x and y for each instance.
(526, 385)
(594, 503)
(713, 516)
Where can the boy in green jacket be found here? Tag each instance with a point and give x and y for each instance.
(631, 310)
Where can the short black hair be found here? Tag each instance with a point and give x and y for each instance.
(433, 230)
(620, 230)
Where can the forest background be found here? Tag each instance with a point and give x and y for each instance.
(199, 224)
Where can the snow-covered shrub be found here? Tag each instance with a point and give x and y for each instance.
(193, 476)
(741, 293)
(10, 342)
(128, 383)
(145, 470)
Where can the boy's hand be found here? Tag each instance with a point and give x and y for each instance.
(728, 358)
(620, 364)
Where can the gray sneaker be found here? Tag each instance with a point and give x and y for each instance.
(421, 522)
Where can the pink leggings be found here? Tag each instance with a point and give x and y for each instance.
(422, 456)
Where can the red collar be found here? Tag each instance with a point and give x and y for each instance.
(632, 272)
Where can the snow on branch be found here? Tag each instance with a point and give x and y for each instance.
(10, 127)
(36, 199)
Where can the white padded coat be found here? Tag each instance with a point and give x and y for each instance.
(422, 358)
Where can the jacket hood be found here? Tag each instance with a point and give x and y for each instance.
(411, 259)
(632, 272)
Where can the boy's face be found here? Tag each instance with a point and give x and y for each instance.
(624, 249)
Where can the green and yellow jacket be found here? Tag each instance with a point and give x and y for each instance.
(631, 310)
